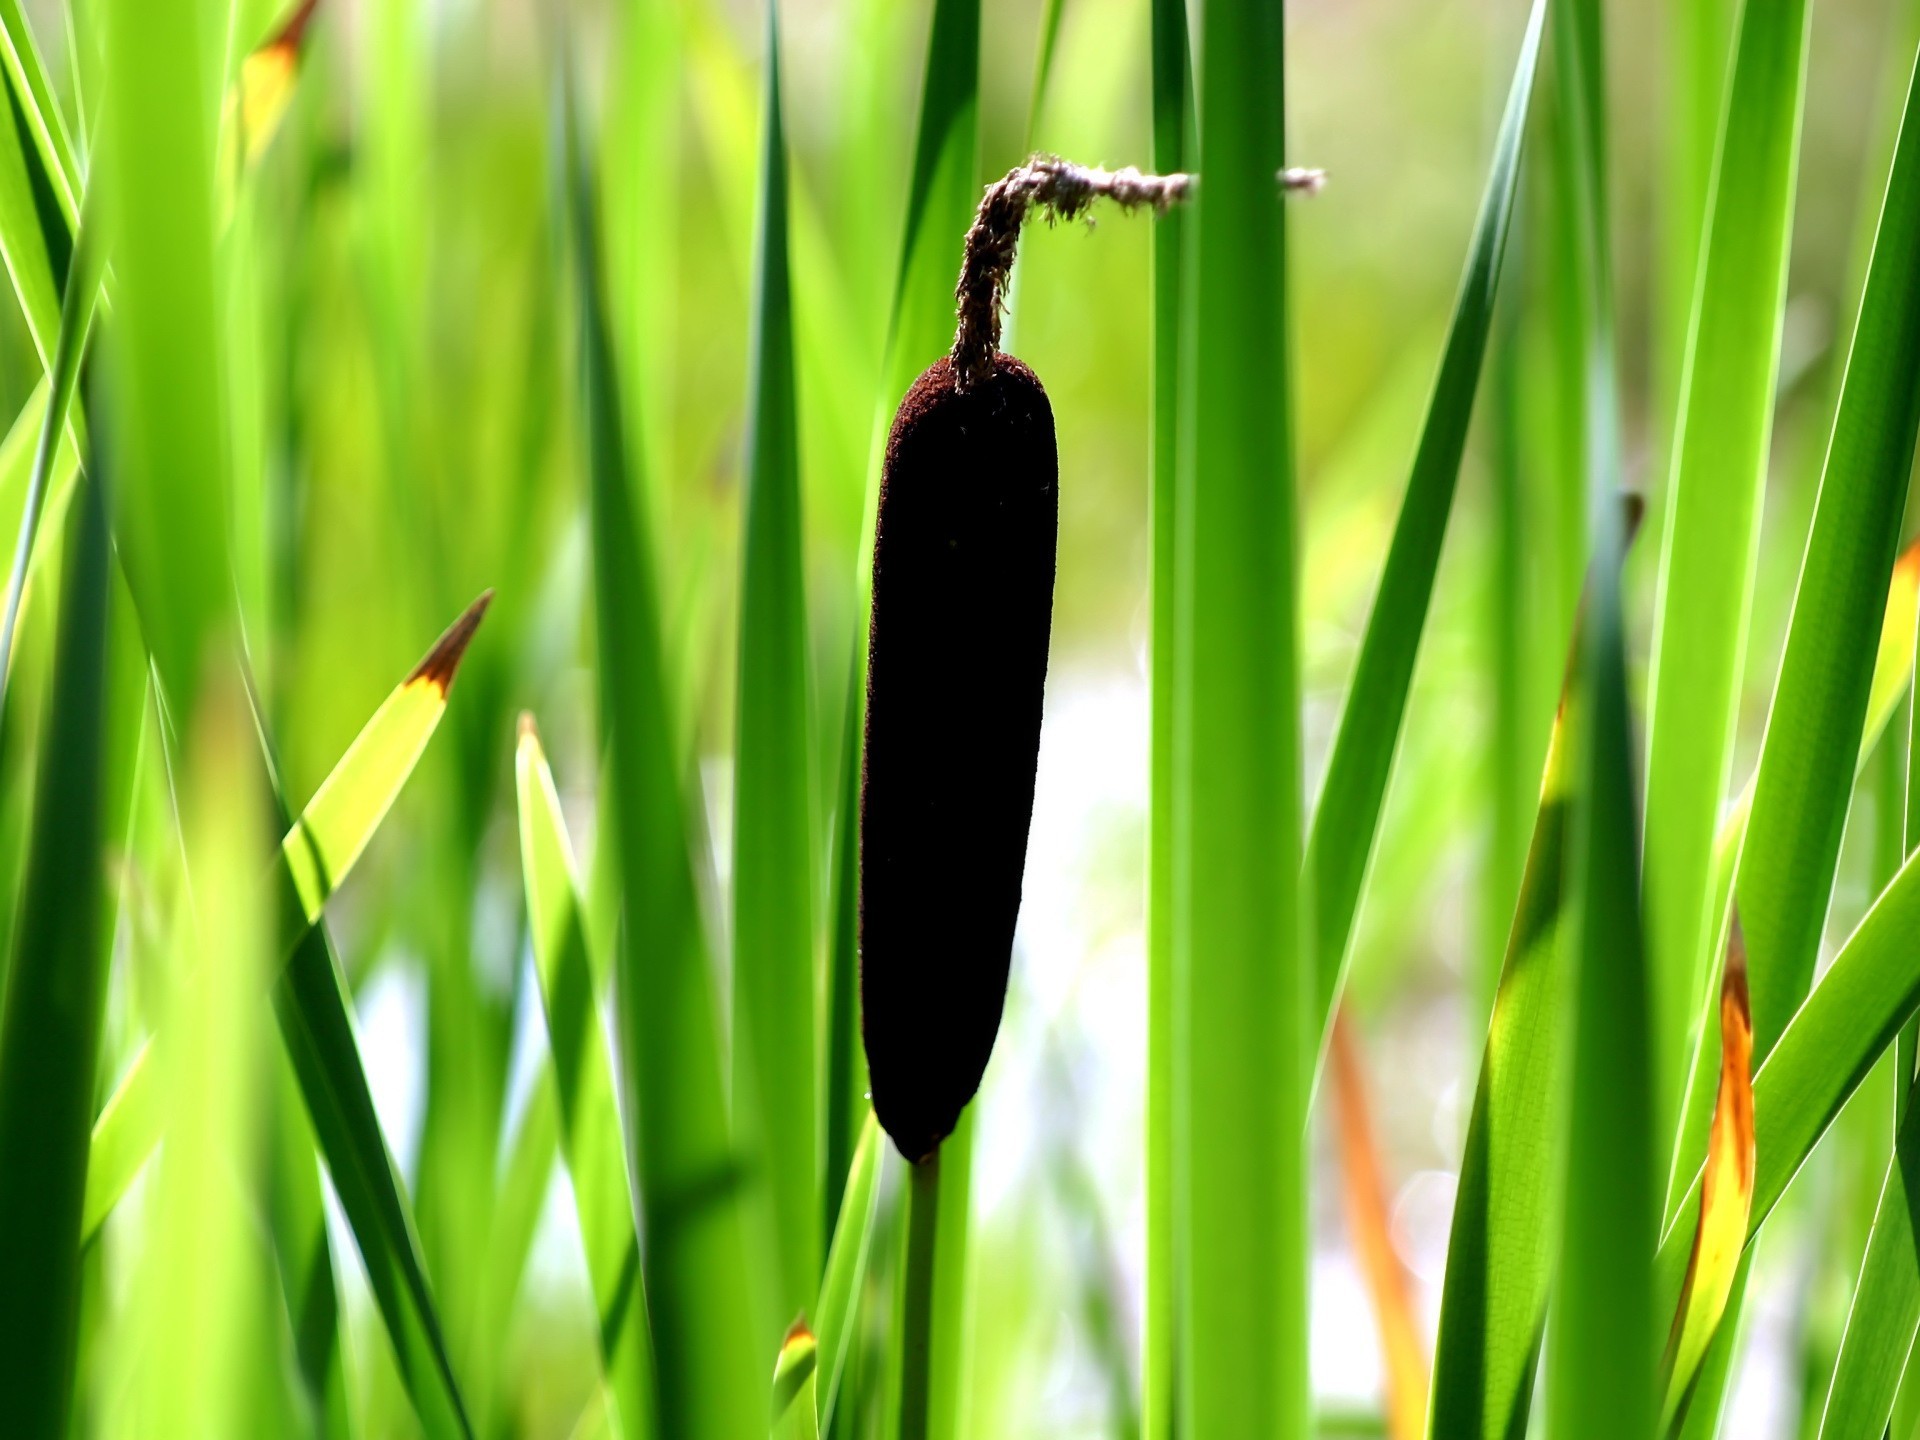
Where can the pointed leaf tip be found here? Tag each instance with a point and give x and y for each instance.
(1726, 1191)
(529, 732)
(443, 660)
(293, 31)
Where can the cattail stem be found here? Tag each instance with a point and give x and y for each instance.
(916, 1340)
(1061, 190)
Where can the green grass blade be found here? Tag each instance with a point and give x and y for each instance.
(940, 201)
(199, 1310)
(316, 856)
(1499, 1257)
(846, 1057)
(1606, 1337)
(775, 1079)
(836, 1313)
(296, 1213)
(1806, 771)
(583, 1078)
(1243, 959)
(1886, 1304)
(36, 252)
(76, 322)
(1172, 125)
(514, 1216)
(27, 76)
(1347, 816)
(316, 1023)
(1710, 538)
(156, 160)
(1821, 1058)
(55, 999)
(711, 1383)
(1822, 702)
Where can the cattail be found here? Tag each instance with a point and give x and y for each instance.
(962, 607)
(963, 563)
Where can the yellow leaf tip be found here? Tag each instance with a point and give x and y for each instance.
(443, 660)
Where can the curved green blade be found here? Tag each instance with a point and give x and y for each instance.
(583, 1077)
(315, 857)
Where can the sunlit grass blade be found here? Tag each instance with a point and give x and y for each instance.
(1244, 1022)
(1347, 815)
(1499, 1254)
(1821, 1058)
(39, 113)
(1172, 127)
(1885, 1314)
(1830, 678)
(1370, 1232)
(583, 1076)
(36, 240)
(1726, 1190)
(199, 1316)
(513, 1219)
(1710, 539)
(775, 1080)
(1805, 777)
(835, 1314)
(1604, 1333)
(315, 857)
(794, 1372)
(170, 525)
(54, 1003)
(76, 321)
(684, 1157)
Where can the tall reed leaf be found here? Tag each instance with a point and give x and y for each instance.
(1243, 962)
(1712, 527)
(690, 1182)
(775, 1080)
(170, 496)
(55, 999)
(1806, 771)
(583, 1075)
(1348, 813)
(1172, 125)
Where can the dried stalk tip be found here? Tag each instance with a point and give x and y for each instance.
(1063, 191)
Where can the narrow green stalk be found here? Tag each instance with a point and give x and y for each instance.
(1172, 122)
(1243, 1038)
(917, 1339)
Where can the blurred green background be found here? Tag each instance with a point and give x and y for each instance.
(413, 338)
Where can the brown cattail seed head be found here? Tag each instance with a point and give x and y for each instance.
(963, 565)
